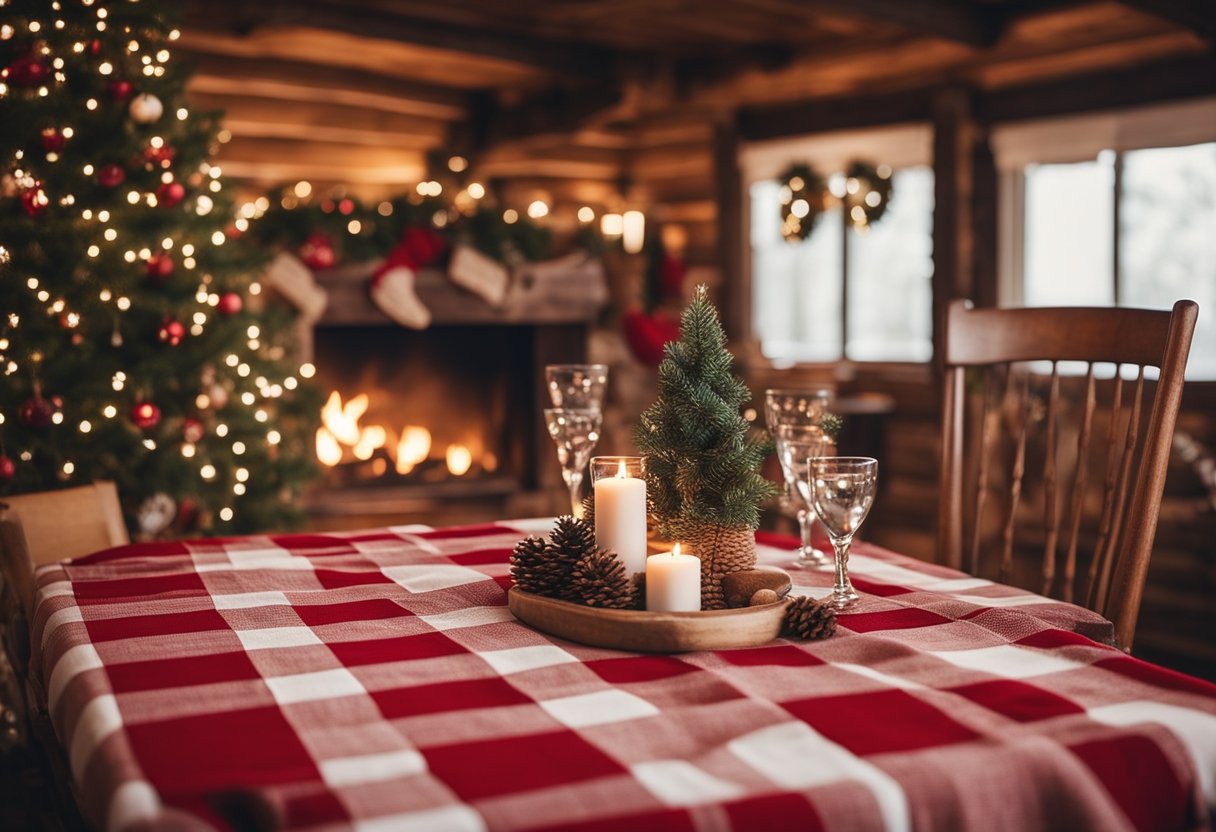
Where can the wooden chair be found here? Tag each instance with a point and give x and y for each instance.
(53, 525)
(985, 355)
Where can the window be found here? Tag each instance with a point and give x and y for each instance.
(1131, 225)
(843, 293)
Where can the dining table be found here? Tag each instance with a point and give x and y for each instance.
(377, 680)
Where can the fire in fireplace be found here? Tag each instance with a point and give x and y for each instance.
(421, 408)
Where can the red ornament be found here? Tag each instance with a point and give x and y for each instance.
(34, 200)
(53, 140)
(8, 469)
(95, 47)
(230, 304)
(318, 252)
(36, 413)
(346, 207)
(159, 268)
(162, 155)
(111, 176)
(121, 90)
(170, 194)
(192, 430)
(145, 415)
(26, 71)
(171, 332)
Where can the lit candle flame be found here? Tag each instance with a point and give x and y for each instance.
(675, 550)
(620, 471)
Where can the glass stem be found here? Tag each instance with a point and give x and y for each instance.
(574, 481)
(843, 587)
(805, 519)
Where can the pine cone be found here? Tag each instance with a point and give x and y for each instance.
(599, 580)
(573, 538)
(805, 618)
(535, 569)
(589, 510)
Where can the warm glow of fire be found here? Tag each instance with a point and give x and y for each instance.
(459, 459)
(370, 438)
(328, 449)
(341, 438)
(413, 447)
(342, 420)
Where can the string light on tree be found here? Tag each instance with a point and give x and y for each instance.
(126, 220)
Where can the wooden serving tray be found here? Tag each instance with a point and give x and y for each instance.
(649, 632)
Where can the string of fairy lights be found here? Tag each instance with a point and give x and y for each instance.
(39, 73)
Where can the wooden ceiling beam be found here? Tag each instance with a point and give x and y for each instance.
(321, 121)
(1199, 16)
(974, 24)
(845, 113)
(584, 60)
(1127, 86)
(223, 74)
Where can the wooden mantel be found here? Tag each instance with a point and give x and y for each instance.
(571, 291)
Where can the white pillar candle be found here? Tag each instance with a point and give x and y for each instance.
(673, 582)
(620, 518)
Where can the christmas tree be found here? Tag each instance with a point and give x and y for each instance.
(134, 345)
(702, 467)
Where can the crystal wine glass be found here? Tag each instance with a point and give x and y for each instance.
(842, 490)
(577, 385)
(798, 407)
(575, 432)
(795, 444)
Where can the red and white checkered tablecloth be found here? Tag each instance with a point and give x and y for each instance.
(376, 680)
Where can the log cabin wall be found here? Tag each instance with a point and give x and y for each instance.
(632, 105)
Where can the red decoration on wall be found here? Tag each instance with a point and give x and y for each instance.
(646, 335)
(8, 469)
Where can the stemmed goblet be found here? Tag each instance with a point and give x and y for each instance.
(575, 431)
(805, 408)
(795, 444)
(842, 489)
(577, 385)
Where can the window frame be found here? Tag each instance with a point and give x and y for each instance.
(1080, 138)
(902, 145)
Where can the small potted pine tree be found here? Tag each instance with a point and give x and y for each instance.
(702, 466)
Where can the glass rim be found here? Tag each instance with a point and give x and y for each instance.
(619, 457)
(845, 460)
(603, 367)
(799, 391)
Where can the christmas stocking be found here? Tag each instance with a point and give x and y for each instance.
(472, 270)
(287, 275)
(392, 286)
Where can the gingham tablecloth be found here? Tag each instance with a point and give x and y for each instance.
(376, 680)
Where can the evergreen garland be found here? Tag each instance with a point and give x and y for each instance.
(702, 467)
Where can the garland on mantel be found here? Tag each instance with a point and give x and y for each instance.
(328, 231)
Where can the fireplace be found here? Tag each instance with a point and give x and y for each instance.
(441, 425)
